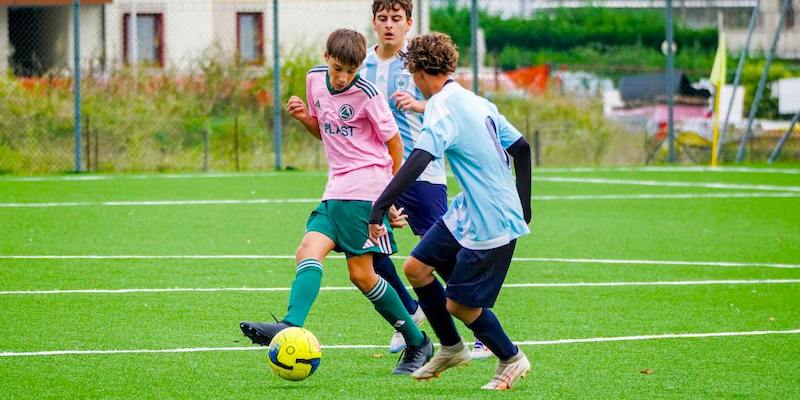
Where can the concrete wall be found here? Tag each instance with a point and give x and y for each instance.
(194, 28)
(225, 25)
(91, 31)
(788, 43)
(188, 30)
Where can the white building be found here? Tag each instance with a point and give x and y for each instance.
(36, 35)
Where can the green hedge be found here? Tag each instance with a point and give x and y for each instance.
(564, 29)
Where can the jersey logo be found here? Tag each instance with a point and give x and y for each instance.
(346, 112)
(316, 103)
(401, 81)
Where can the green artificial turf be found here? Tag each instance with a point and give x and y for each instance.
(593, 238)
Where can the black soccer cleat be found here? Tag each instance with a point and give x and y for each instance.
(414, 357)
(261, 333)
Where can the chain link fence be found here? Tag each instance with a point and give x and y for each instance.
(188, 85)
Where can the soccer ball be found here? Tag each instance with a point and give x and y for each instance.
(294, 354)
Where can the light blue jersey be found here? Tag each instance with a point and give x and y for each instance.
(390, 76)
(468, 129)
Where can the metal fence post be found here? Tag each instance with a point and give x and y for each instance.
(761, 84)
(670, 83)
(276, 48)
(76, 82)
(777, 151)
(751, 27)
(473, 30)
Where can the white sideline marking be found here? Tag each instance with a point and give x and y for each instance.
(161, 202)
(369, 346)
(643, 196)
(344, 288)
(656, 337)
(667, 196)
(339, 257)
(788, 171)
(638, 182)
(148, 176)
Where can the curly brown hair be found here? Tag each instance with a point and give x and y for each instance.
(347, 46)
(434, 53)
(405, 5)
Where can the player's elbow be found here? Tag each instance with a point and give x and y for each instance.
(519, 148)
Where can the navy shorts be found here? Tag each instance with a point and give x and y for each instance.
(473, 277)
(424, 203)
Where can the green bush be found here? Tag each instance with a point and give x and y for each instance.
(571, 131)
(564, 29)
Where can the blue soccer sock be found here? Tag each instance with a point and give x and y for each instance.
(434, 304)
(388, 304)
(304, 291)
(384, 267)
(487, 328)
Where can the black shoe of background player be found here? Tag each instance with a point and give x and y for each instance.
(261, 333)
(414, 357)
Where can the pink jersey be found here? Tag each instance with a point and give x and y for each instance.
(354, 124)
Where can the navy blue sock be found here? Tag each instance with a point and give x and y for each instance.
(433, 303)
(487, 328)
(385, 269)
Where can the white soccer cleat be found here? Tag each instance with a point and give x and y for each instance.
(398, 343)
(508, 371)
(480, 351)
(447, 357)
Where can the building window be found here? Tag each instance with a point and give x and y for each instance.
(790, 15)
(149, 39)
(250, 37)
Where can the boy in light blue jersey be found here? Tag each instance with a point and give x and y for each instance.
(426, 200)
(471, 246)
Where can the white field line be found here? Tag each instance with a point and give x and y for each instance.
(369, 346)
(80, 178)
(91, 178)
(641, 196)
(638, 182)
(339, 257)
(348, 288)
(786, 171)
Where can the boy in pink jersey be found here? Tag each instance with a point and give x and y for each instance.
(356, 127)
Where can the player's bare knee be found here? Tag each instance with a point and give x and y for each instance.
(310, 248)
(417, 272)
(303, 252)
(463, 313)
(364, 280)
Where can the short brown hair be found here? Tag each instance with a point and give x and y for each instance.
(434, 53)
(347, 46)
(405, 5)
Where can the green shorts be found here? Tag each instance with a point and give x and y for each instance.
(346, 222)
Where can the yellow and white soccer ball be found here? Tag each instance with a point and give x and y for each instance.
(294, 354)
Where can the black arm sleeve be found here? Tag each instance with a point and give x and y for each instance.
(416, 163)
(521, 151)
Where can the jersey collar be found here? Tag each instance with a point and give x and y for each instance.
(334, 91)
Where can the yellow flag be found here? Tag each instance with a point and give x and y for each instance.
(719, 69)
(718, 80)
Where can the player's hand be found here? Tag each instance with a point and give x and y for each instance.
(376, 231)
(396, 217)
(297, 108)
(404, 101)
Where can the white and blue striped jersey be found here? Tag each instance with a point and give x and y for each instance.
(468, 129)
(390, 76)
